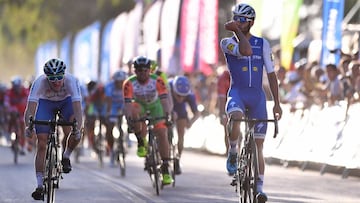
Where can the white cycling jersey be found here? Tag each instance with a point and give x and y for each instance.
(41, 89)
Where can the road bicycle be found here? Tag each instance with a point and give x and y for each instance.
(247, 173)
(120, 147)
(174, 155)
(14, 135)
(99, 139)
(152, 160)
(53, 166)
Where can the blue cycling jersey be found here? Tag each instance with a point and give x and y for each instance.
(246, 72)
(116, 96)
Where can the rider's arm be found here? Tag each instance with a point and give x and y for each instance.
(29, 111)
(273, 81)
(128, 98)
(193, 105)
(108, 99)
(78, 113)
(242, 45)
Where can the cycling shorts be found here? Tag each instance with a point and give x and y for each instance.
(252, 99)
(46, 108)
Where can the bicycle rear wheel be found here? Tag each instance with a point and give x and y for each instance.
(249, 183)
(15, 146)
(49, 173)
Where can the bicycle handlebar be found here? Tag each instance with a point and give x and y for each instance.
(33, 122)
(253, 121)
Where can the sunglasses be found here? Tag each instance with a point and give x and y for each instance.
(241, 19)
(53, 78)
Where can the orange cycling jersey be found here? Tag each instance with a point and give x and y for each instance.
(147, 93)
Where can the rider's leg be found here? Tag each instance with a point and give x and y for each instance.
(40, 158)
(110, 140)
(261, 161)
(180, 128)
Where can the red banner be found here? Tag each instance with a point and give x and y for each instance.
(208, 36)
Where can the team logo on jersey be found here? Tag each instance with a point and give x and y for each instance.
(255, 69)
(244, 69)
(230, 47)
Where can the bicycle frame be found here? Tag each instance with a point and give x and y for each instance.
(120, 150)
(153, 160)
(247, 174)
(53, 167)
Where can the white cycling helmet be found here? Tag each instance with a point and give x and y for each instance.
(54, 67)
(119, 75)
(244, 10)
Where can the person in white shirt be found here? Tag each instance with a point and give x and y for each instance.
(53, 90)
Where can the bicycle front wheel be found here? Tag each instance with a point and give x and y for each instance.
(50, 173)
(154, 167)
(249, 183)
(122, 155)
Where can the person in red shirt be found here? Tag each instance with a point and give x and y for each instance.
(15, 101)
(223, 85)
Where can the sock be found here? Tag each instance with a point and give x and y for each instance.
(39, 179)
(67, 153)
(260, 183)
(233, 145)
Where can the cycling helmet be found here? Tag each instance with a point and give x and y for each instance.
(119, 75)
(181, 86)
(142, 62)
(16, 81)
(54, 67)
(244, 10)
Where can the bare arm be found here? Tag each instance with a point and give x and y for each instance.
(244, 44)
(274, 87)
(78, 113)
(30, 111)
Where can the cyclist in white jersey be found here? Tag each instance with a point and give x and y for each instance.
(50, 91)
(246, 93)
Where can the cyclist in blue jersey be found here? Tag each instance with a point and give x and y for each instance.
(182, 95)
(245, 64)
(115, 104)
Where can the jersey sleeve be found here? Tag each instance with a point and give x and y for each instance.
(75, 89)
(34, 90)
(128, 91)
(161, 88)
(230, 46)
(268, 58)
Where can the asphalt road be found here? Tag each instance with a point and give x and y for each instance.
(204, 179)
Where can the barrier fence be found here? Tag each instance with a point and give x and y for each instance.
(324, 136)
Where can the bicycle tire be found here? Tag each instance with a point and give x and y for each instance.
(251, 174)
(15, 149)
(122, 155)
(155, 168)
(50, 167)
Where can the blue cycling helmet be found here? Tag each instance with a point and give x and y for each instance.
(181, 86)
(119, 75)
(54, 67)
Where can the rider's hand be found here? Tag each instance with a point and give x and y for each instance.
(29, 132)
